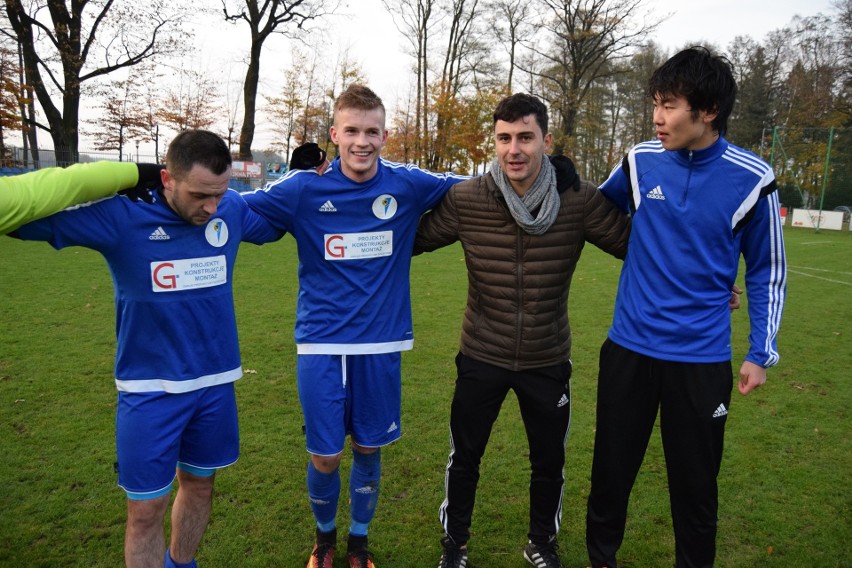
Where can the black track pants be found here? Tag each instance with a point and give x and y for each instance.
(693, 400)
(544, 399)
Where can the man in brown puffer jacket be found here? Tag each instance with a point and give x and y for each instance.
(522, 227)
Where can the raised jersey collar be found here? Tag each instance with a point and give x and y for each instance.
(703, 156)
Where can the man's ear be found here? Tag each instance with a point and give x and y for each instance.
(166, 178)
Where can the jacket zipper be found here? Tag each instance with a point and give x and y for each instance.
(519, 265)
(688, 181)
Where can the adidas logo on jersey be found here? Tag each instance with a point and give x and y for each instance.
(721, 411)
(393, 427)
(656, 193)
(562, 401)
(159, 235)
(328, 207)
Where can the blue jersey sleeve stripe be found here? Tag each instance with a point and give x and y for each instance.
(414, 167)
(748, 157)
(634, 181)
(777, 280)
(748, 165)
(650, 146)
(748, 203)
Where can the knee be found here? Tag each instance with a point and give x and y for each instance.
(326, 464)
(200, 487)
(148, 514)
(548, 459)
(363, 450)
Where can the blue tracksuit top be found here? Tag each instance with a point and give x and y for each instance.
(694, 214)
(175, 324)
(355, 242)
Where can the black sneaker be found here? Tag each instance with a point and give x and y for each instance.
(453, 556)
(357, 553)
(542, 555)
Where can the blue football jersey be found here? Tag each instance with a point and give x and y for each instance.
(694, 214)
(355, 243)
(175, 322)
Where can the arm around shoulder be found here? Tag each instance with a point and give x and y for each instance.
(34, 195)
(606, 226)
(439, 227)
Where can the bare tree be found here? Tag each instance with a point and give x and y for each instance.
(151, 103)
(511, 20)
(311, 97)
(122, 118)
(192, 103)
(414, 19)
(11, 99)
(844, 24)
(346, 72)
(462, 47)
(587, 39)
(287, 108)
(820, 53)
(283, 110)
(233, 100)
(264, 18)
(27, 108)
(304, 112)
(402, 140)
(58, 42)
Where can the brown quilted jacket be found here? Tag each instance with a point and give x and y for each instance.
(517, 304)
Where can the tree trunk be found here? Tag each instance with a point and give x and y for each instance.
(250, 101)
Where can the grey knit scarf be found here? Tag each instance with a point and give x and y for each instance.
(542, 196)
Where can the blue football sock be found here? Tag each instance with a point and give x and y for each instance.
(169, 563)
(324, 492)
(364, 490)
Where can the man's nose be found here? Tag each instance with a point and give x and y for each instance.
(210, 206)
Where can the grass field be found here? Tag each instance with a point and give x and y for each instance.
(786, 483)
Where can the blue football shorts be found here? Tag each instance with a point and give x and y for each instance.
(157, 432)
(358, 395)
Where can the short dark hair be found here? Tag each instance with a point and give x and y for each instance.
(705, 80)
(359, 97)
(201, 147)
(520, 105)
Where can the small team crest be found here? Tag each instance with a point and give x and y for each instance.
(216, 232)
(384, 207)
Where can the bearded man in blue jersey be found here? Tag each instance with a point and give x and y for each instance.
(354, 227)
(177, 358)
(698, 203)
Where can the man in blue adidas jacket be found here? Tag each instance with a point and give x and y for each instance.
(698, 203)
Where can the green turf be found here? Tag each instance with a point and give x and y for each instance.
(785, 482)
